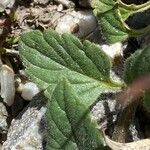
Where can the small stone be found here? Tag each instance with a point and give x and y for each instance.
(66, 3)
(3, 118)
(80, 23)
(113, 50)
(104, 110)
(41, 1)
(60, 7)
(6, 4)
(27, 131)
(7, 84)
(29, 90)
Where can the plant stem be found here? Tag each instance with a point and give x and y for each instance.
(123, 122)
(144, 119)
(129, 99)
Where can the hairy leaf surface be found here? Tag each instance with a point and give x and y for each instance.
(49, 57)
(69, 124)
(137, 65)
(112, 14)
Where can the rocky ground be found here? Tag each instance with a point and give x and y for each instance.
(22, 123)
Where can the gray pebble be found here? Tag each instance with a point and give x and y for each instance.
(6, 4)
(3, 118)
(27, 131)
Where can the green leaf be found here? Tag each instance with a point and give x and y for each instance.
(102, 6)
(69, 123)
(112, 26)
(129, 69)
(112, 15)
(137, 65)
(49, 57)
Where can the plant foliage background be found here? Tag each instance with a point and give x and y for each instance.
(73, 73)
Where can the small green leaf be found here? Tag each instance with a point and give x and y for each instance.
(129, 69)
(112, 26)
(137, 65)
(102, 6)
(112, 15)
(69, 123)
(49, 57)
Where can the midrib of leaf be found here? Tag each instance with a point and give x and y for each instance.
(94, 85)
(30, 62)
(34, 52)
(74, 59)
(61, 52)
(54, 108)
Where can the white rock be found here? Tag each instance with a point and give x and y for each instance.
(27, 131)
(29, 90)
(7, 84)
(81, 23)
(113, 50)
(41, 1)
(66, 3)
(6, 4)
(3, 118)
